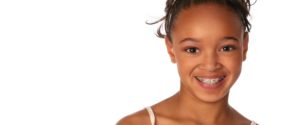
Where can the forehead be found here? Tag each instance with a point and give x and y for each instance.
(207, 20)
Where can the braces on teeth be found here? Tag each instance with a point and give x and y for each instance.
(210, 81)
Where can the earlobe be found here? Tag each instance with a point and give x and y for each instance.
(245, 45)
(170, 49)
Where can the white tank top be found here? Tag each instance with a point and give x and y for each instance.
(152, 117)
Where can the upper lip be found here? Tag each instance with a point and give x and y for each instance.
(210, 76)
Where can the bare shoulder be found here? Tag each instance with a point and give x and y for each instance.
(139, 118)
(240, 119)
(142, 117)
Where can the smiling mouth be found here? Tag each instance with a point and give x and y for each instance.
(210, 81)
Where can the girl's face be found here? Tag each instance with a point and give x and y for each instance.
(209, 46)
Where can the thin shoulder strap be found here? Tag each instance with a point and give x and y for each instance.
(151, 115)
(253, 123)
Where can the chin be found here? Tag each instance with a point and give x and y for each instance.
(208, 98)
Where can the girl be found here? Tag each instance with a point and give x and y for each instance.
(208, 40)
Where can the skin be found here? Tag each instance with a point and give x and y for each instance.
(208, 40)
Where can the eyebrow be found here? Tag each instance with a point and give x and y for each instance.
(188, 39)
(230, 38)
(223, 39)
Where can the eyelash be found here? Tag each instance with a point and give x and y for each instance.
(192, 50)
(228, 48)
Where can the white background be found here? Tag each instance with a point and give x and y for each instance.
(91, 62)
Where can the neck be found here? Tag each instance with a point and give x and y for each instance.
(201, 111)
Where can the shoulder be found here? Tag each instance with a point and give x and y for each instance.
(139, 118)
(242, 120)
(142, 117)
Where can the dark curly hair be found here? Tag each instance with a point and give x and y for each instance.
(173, 7)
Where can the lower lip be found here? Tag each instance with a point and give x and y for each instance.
(210, 87)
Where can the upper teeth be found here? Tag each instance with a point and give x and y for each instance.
(210, 81)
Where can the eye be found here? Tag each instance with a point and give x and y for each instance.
(192, 50)
(228, 48)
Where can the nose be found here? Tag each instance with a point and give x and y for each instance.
(210, 61)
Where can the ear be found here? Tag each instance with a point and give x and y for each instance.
(170, 49)
(245, 45)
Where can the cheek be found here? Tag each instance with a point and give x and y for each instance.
(185, 65)
(233, 64)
